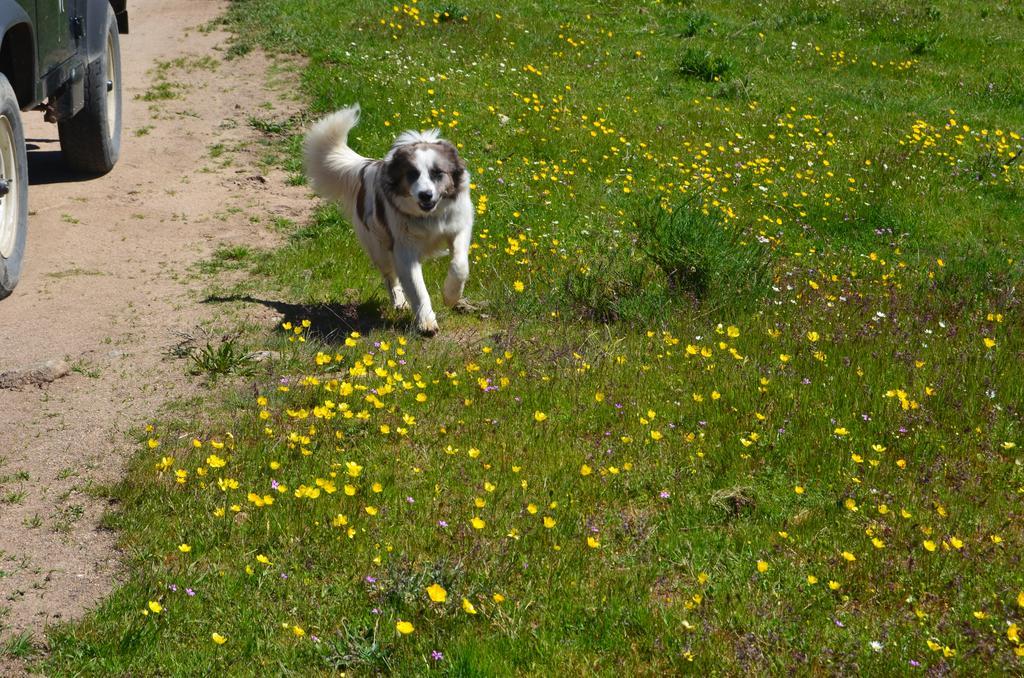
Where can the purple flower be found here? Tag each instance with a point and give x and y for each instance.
(274, 484)
(915, 663)
(375, 610)
(315, 639)
(664, 494)
(370, 579)
(839, 624)
(173, 587)
(442, 523)
(410, 500)
(190, 592)
(436, 656)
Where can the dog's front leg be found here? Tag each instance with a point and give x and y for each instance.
(458, 269)
(410, 272)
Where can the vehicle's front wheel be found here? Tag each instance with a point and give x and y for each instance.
(13, 189)
(91, 139)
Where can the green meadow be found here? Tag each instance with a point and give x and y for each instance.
(744, 393)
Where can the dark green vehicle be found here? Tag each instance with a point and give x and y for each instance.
(61, 57)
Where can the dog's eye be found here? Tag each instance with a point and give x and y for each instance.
(436, 174)
(412, 175)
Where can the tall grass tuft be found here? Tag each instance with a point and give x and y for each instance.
(700, 257)
(703, 65)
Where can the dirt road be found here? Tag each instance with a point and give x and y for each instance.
(107, 286)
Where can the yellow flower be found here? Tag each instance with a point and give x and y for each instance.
(477, 523)
(841, 431)
(437, 593)
(989, 343)
(732, 331)
(518, 286)
(812, 580)
(798, 489)
(539, 416)
(593, 542)
(812, 336)
(549, 522)
(217, 638)
(498, 598)
(468, 606)
(213, 461)
(762, 566)
(371, 510)
(1020, 599)
(184, 548)
(353, 469)
(929, 545)
(833, 585)
(585, 470)
(849, 557)
(298, 631)
(156, 607)
(260, 558)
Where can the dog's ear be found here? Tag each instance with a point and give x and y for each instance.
(456, 167)
(396, 164)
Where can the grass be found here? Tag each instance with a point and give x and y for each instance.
(745, 396)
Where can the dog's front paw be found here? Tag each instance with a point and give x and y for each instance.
(401, 305)
(427, 326)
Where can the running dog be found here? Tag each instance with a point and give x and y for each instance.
(409, 206)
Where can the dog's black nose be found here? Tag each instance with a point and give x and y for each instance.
(425, 196)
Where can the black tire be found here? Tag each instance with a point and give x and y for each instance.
(91, 139)
(13, 189)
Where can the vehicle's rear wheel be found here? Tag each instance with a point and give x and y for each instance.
(13, 189)
(91, 139)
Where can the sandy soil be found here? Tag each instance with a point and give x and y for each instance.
(107, 286)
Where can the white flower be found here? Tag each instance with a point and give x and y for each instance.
(875, 645)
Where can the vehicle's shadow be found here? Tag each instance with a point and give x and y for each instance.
(46, 164)
(332, 322)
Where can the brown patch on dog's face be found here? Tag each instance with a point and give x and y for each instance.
(419, 176)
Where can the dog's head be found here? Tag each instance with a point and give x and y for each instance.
(423, 172)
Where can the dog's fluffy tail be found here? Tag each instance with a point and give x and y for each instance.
(332, 167)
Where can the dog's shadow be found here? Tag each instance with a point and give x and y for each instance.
(331, 323)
